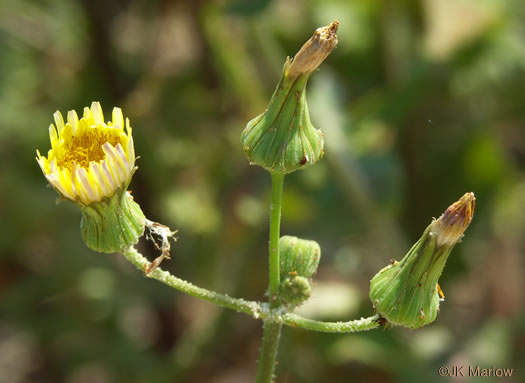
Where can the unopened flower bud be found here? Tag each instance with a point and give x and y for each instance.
(298, 256)
(406, 293)
(283, 139)
(295, 290)
(299, 261)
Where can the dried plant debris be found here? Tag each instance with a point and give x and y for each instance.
(160, 236)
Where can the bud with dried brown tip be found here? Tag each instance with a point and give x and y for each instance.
(407, 293)
(314, 51)
(449, 228)
(283, 139)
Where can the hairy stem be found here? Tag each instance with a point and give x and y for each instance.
(256, 310)
(358, 325)
(275, 224)
(268, 353)
(272, 327)
(248, 307)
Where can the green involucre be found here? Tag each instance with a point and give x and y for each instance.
(295, 290)
(298, 256)
(405, 293)
(113, 224)
(299, 262)
(283, 139)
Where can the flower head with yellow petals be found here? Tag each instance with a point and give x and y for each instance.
(91, 163)
(89, 159)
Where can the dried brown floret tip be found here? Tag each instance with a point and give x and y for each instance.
(314, 51)
(450, 227)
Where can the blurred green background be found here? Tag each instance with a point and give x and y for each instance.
(421, 102)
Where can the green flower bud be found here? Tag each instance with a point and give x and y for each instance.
(298, 257)
(283, 139)
(295, 290)
(407, 293)
(112, 224)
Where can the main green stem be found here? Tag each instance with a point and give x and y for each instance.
(275, 228)
(268, 354)
(272, 328)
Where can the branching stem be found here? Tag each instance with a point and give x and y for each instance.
(358, 325)
(255, 309)
(251, 308)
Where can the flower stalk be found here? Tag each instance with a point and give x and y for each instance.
(256, 310)
(271, 328)
(273, 248)
(357, 325)
(268, 352)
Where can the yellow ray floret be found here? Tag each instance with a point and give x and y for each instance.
(89, 159)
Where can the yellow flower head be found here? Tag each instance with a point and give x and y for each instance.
(89, 159)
